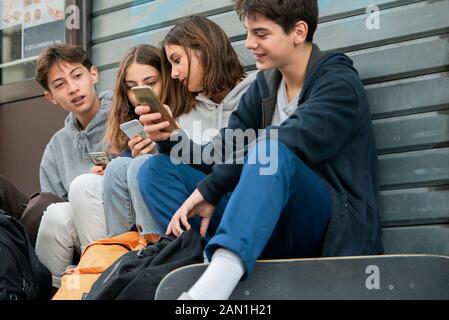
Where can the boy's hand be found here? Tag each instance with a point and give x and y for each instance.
(195, 205)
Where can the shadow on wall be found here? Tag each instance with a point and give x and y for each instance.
(25, 129)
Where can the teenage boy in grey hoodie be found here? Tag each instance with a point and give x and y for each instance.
(69, 78)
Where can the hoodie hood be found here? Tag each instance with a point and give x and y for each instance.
(82, 138)
(319, 64)
(208, 117)
(335, 63)
(231, 100)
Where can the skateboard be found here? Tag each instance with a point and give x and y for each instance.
(360, 278)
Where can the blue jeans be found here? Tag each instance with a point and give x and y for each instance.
(123, 203)
(283, 214)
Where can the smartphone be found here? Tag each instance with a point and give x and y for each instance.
(147, 97)
(99, 158)
(133, 128)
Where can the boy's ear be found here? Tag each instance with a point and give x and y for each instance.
(49, 96)
(94, 74)
(301, 30)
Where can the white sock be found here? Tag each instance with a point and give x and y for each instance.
(220, 277)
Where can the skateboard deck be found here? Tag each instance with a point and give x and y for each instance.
(366, 277)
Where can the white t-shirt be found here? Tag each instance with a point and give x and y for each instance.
(284, 109)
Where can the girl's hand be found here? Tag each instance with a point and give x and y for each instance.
(151, 126)
(98, 170)
(141, 146)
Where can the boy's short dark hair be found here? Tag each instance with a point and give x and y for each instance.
(59, 53)
(285, 13)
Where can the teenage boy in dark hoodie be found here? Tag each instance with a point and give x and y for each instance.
(323, 198)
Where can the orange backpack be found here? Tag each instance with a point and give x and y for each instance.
(96, 258)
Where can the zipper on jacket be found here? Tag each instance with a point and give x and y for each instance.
(26, 288)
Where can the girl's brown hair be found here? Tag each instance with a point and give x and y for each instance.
(222, 68)
(173, 94)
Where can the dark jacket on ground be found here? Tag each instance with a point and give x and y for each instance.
(331, 132)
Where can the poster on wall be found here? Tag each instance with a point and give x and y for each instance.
(28, 26)
(11, 12)
(43, 25)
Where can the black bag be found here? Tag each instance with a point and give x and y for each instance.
(12, 200)
(136, 274)
(22, 276)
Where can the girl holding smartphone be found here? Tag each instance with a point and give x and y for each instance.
(214, 79)
(113, 201)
